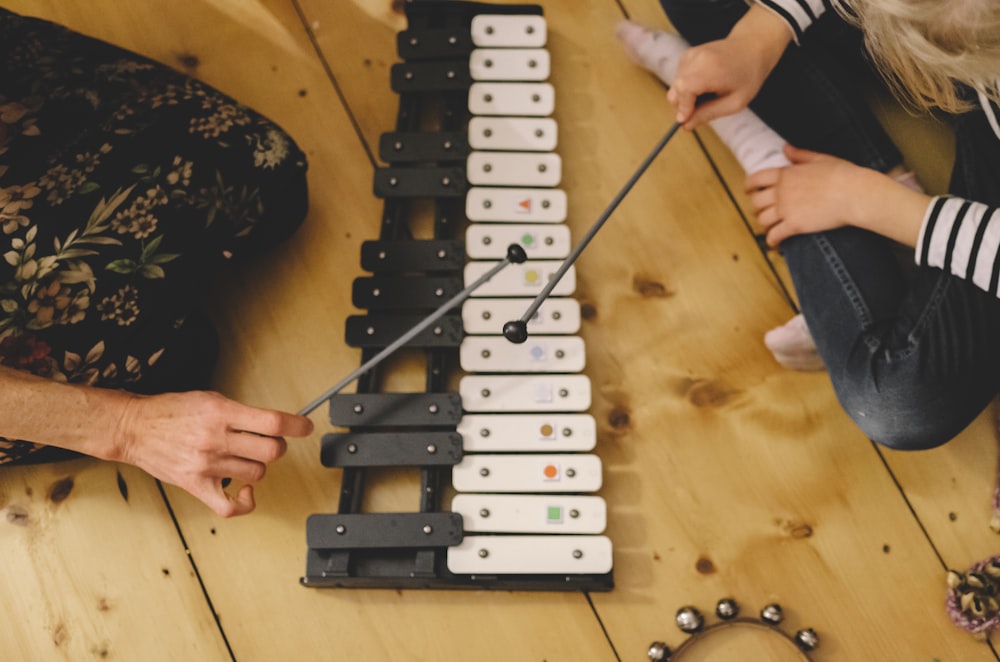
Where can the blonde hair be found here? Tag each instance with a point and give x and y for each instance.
(923, 47)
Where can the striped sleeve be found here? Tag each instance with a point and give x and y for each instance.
(962, 238)
(799, 14)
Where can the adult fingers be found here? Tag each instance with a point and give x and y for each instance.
(240, 469)
(224, 505)
(269, 422)
(255, 447)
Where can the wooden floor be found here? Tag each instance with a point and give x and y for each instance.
(725, 475)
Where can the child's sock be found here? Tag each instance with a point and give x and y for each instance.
(793, 347)
(754, 144)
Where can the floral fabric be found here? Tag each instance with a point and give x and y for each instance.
(124, 186)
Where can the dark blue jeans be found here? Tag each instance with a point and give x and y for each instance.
(913, 353)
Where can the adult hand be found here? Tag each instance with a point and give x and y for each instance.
(196, 439)
(721, 77)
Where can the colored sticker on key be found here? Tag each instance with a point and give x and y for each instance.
(551, 472)
(554, 515)
(543, 393)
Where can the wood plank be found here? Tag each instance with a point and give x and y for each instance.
(90, 574)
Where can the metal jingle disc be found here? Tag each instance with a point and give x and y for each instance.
(772, 614)
(807, 639)
(658, 652)
(727, 609)
(689, 619)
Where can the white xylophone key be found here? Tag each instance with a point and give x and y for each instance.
(537, 354)
(520, 280)
(509, 64)
(556, 316)
(490, 241)
(516, 513)
(528, 99)
(514, 169)
(531, 555)
(530, 472)
(517, 205)
(525, 393)
(508, 30)
(532, 433)
(515, 134)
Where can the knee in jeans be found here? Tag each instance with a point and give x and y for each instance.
(899, 425)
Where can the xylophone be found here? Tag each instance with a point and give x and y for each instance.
(507, 473)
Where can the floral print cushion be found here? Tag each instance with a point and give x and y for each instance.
(124, 187)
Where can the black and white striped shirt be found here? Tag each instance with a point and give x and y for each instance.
(958, 236)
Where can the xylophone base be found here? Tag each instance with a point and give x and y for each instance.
(425, 569)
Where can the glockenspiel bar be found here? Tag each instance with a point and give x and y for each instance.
(541, 354)
(528, 433)
(515, 205)
(560, 555)
(515, 134)
(514, 31)
(540, 242)
(525, 393)
(525, 99)
(528, 473)
(509, 64)
(517, 513)
(486, 316)
(520, 280)
(514, 169)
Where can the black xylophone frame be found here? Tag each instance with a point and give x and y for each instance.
(426, 155)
